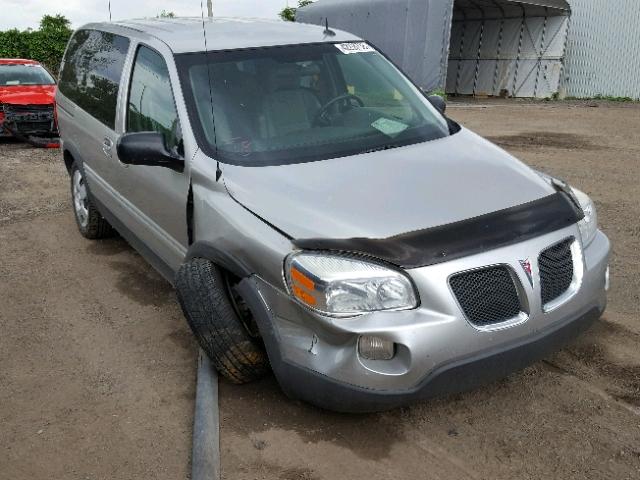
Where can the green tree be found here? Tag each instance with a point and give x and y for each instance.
(165, 14)
(55, 23)
(13, 44)
(46, 45)
(288, 14)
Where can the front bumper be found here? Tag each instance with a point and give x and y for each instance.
(439, 352)
(33, 124)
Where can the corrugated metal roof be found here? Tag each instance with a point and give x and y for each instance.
(499, 4)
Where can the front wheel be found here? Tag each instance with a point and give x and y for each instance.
(221, 323)
(89, 220)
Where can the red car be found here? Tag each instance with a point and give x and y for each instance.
(27, 99)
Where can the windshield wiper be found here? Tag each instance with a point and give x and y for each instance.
(379, 149)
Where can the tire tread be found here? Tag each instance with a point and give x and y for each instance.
(205, 302)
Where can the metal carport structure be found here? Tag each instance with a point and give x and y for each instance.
(467, 47)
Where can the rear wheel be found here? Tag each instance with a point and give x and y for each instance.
(220, 320)
(89, 220)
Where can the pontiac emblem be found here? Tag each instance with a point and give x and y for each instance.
(526, 266)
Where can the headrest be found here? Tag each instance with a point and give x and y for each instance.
(285, 76)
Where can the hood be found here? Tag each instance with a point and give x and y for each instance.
(387, 193)
(28, 94)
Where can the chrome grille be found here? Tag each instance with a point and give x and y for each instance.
(487, 296)
(556, 270)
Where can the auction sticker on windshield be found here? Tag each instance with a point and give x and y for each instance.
(354, 47)
(389, 127)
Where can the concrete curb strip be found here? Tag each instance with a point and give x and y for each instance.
(205, 460)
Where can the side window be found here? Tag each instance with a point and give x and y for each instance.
(91, 72)
(68, 80)
(151, 106)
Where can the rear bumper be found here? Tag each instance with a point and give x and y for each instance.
(462, 375)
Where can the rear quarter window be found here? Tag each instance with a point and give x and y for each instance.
(92, 70)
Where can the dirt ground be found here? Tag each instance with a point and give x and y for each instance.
(97, 367)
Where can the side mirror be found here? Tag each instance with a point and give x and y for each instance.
(438, 102)
(148, 148)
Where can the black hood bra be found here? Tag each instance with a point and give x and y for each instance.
(467, 237)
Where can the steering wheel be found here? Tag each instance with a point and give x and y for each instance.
(323, 117)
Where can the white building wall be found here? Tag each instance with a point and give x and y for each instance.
(603, 50)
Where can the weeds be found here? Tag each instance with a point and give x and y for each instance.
(440, 92)
(608, 98)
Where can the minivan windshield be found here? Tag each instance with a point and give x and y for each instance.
(301, 103)
(19, 74)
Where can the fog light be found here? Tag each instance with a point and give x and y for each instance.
(375, 348)
(606, 279)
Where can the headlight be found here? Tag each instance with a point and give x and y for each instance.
(346, 286)
(589, 224)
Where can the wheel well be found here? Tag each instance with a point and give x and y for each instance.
(210, 252)
(239, 304)
(68, 160)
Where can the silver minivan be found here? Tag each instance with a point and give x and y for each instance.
(318, 214)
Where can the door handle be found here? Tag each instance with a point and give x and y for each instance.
(107, 146)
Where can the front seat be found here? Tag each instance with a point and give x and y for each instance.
(289, 107)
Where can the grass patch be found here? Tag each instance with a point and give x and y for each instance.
(607, 98)
(439, 92)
